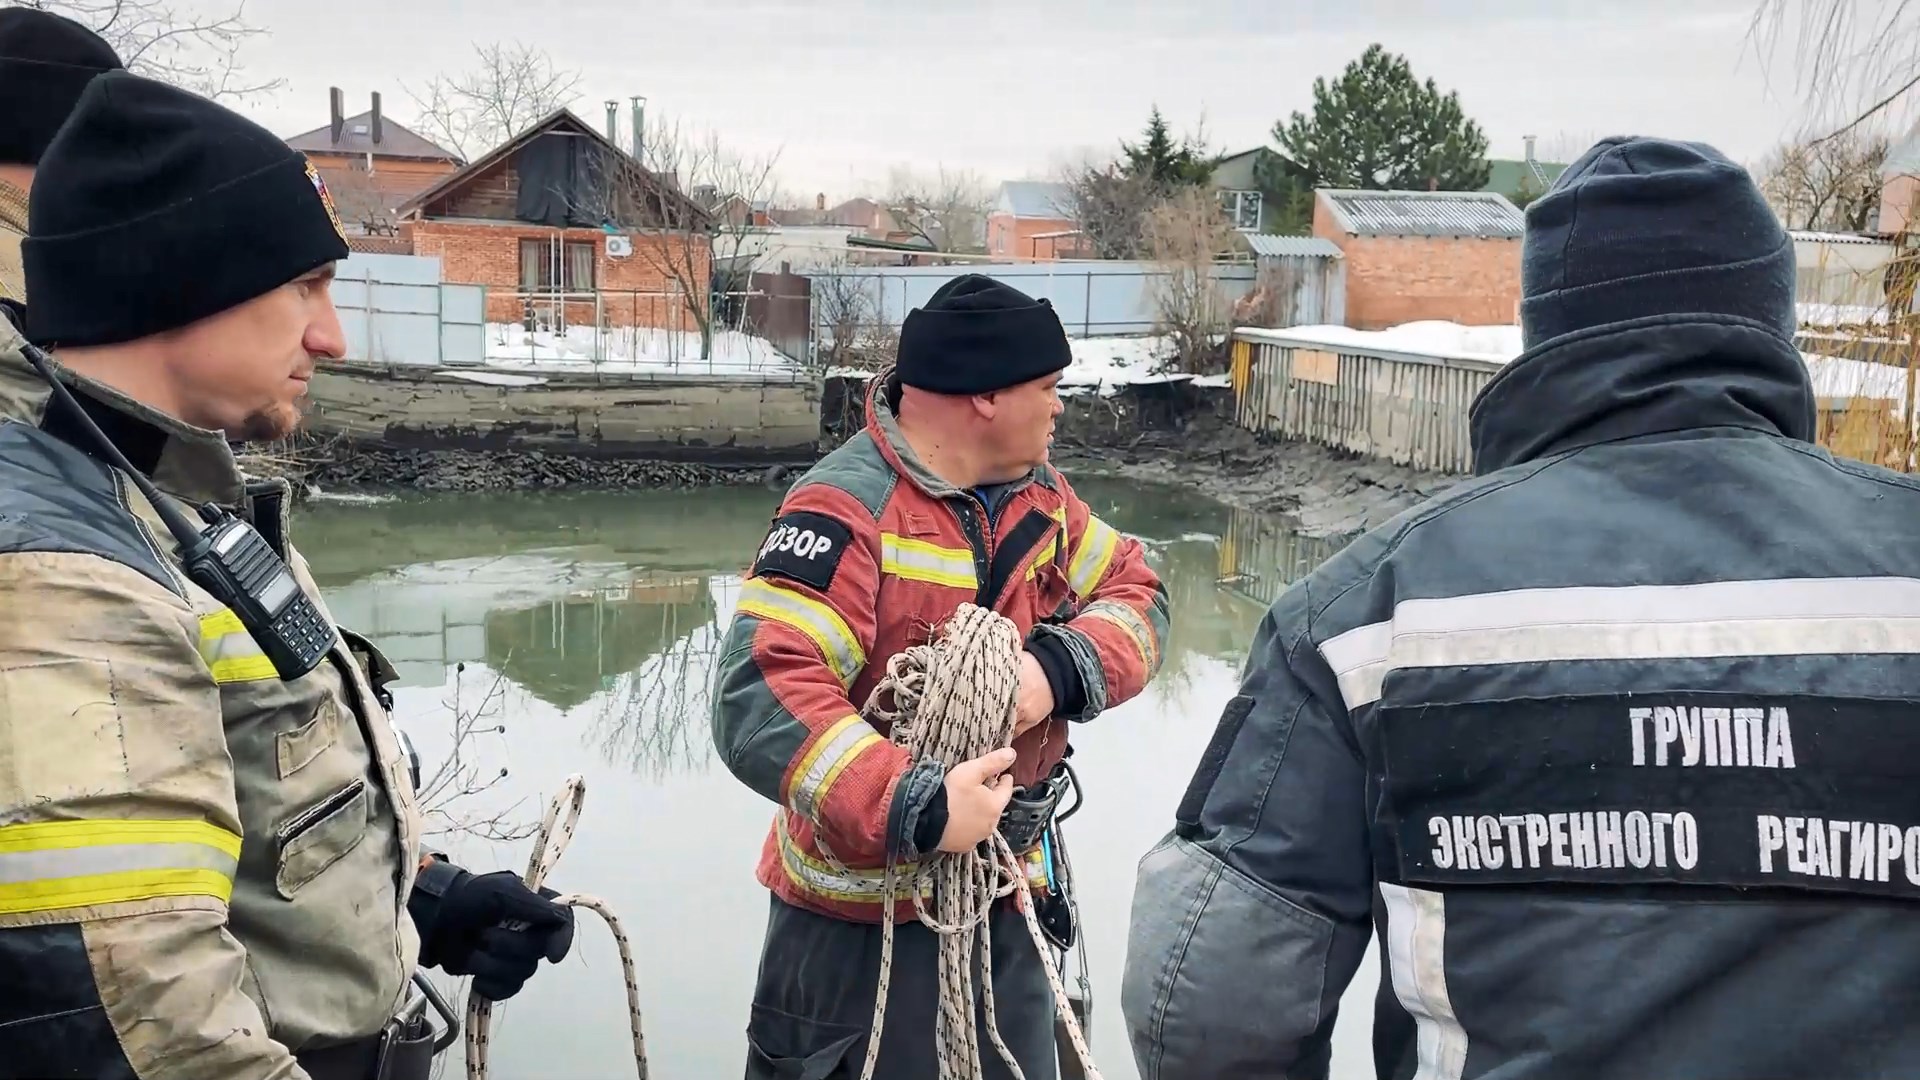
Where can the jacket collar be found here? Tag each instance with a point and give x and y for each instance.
(1659, 375)
(883, 424)
(189, 463)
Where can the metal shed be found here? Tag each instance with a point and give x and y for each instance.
(1302, 281)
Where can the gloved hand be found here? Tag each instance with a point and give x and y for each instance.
(490, 926)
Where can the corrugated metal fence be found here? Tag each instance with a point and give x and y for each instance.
(1406, 408)
(1091, 298)
(395, 309)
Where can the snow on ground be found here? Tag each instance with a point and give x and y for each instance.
(1428, 337)
(1104, 364)
(641, 349)
(1828, 315)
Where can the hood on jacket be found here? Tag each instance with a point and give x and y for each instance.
(1656, 375)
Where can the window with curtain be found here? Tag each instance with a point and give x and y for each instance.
(574, 274)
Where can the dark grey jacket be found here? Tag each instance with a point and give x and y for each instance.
(1616, 746)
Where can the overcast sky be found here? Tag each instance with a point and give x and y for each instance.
(1010, 88)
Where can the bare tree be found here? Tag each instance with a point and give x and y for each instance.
(194, 45)
(1185, 235)
(1110, 209)
(692, 242)
(507, 90)
(947, 209)
(1856, 58)
(1831, 184)
(846, 318)
(459, 775)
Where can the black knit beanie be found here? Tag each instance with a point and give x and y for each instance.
(977, 335)
(46, 60)
(155, 208)
(1641, 226)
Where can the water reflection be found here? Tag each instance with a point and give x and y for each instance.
(589, 626)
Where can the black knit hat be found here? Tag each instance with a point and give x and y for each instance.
(155, 208)
(45, 61)
(977, 335)
(1642, 226)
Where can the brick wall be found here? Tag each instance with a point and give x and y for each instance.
(1014, 237)
(633, 290)
(1896, 203)
(1474, 281)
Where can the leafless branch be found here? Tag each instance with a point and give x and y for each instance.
(1828, 184)
(1856, 58)
(507, 90)
(649, 721)
(947, 209)
(459, 776)
(195, 44)
(1185, 234)
(846, 315)
(692, 239)
(1110, 209)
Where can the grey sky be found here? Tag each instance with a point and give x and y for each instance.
(1011, 88)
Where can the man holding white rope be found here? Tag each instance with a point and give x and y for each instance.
(944, 499)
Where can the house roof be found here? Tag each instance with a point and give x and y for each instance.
(356, 137)
(1425, 213)
(1506, 176)
(558, 118)
(1036, 199)
(1280, 247)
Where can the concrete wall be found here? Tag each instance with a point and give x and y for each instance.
(682, 418)
(1391, 280)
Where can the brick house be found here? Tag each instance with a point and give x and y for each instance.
(566, 228)
(1033, 219)
(372, 164)
(1412, 255)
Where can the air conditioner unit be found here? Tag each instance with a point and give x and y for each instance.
(618, 246)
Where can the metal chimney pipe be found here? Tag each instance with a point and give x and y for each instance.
(336, 113)
(639, 128)
(377, 128)
(613, 121)
(1528, 139)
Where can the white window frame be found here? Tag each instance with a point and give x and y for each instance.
(1235, 202)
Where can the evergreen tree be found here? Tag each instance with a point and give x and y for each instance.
(1380, 127)
(1164, 163)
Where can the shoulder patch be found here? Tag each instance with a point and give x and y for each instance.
(805, 547)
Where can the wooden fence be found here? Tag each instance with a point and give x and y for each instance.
(1260, 556)
(1403, 407)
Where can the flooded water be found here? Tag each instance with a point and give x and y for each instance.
(585, 626)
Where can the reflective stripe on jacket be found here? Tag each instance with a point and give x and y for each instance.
(203, 869)
(868, 552)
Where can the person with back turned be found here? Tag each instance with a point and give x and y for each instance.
(944, 498)
(45, 61)
(1613, 745)
(210, 859)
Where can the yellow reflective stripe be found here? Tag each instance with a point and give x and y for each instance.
(819, 623)
(823, 763)
(1136, 628)
(917, 560)
(56, 865)
(1036, 867)
(847, 886)
(1090, 558)
(230, 652)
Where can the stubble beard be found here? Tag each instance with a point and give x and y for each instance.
(271, 424)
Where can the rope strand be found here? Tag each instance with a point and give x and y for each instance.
(556, 832)
(953, 701)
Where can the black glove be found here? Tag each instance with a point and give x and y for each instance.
(489, 926)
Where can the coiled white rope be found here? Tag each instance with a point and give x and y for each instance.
(549, 844)
(953, 701)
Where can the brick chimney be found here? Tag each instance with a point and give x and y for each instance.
(336, 106)
(374, 129)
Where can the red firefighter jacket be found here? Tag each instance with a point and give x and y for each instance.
(868, 552)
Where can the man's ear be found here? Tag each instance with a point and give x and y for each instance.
(986, 405)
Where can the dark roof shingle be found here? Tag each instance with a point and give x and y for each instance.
(1425, 213)
(356, 137)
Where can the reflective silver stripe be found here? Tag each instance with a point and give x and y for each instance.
(854, 886)
(1416, 948)
(1136, 627)
(824, 763)
(1091, 556)
(820, 623)
(1777, 617)
(72, 862)
(918, 560)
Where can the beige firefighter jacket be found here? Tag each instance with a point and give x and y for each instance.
(203, 869)
(13, 229)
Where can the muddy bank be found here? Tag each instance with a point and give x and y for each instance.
(349, 467)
